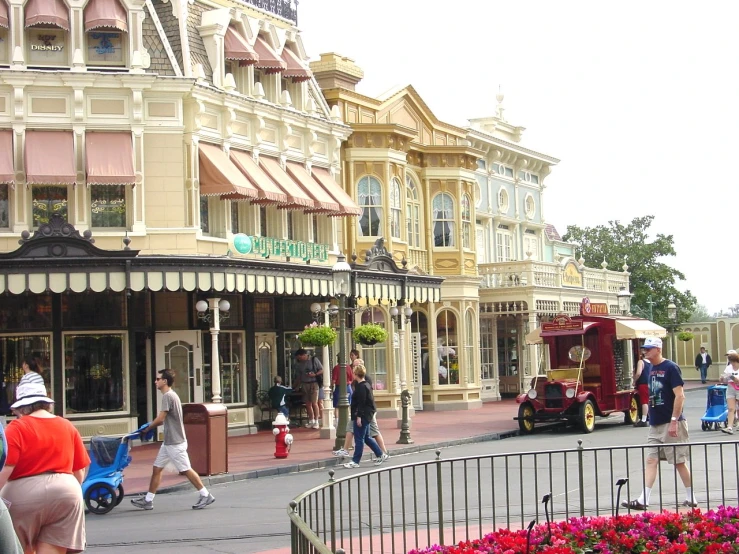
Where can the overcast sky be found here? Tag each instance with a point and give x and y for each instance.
(639, 99)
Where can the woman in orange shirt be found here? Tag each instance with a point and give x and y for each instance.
(41, 479)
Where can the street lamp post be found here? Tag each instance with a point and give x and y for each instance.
(402, 319)
(210, 312)
(341, 274)
(672, 316)
(624, 301)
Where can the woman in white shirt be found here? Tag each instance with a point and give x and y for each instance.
(731, 378)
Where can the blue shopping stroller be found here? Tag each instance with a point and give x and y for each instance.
(102, 488)
(717, 411)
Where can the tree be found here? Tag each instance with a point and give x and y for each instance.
(651, 279)
(700, 315)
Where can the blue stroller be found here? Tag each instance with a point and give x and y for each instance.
(717, 411)
(102, 488)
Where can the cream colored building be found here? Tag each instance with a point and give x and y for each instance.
(190, 143)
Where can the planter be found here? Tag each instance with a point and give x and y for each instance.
(317, 335)
(368, 342)
(369, 334)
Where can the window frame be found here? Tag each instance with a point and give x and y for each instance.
(469, 345)
(448, 360)
(375, 356)
(449, 219)
(396, 209)
(27, 32)
(529, 211)
(414, 237)
(504, 200)
(504, 245)
(128, 198)
(378, 208)
(123, 64)
(466, 222)
(69, 202)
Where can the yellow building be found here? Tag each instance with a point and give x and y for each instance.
(190, 142)
(413, 178)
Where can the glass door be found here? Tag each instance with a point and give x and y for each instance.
(266, 360)
(180, 351)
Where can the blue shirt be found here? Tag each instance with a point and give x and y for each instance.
(663, 378)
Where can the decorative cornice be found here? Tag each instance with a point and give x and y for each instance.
(487, 138)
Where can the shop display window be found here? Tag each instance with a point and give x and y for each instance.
(13, 350)
(230, 349)
(469, 345)
(447, 348)
(47, 46)
(91, 310)
(95, 373)
(25, 312)
(375, 357)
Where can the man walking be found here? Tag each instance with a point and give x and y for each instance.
(307, 369)
(174, 448)
(702, 363)
(668, 430)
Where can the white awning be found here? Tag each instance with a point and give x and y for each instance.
(638, 329)
(534, 337)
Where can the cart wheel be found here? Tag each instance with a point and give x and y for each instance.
(525, 418)
(100, 498)
(632, 414)
(120, 495)
(705, 425)
(587, 416)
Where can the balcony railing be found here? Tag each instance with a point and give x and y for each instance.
(283, 8)
(547, 275)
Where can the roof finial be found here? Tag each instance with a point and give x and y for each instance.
(499, 97)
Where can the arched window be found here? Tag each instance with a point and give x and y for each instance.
(412, 213)
(395, 208)
(503, 200)
(466, 222)
(369, 194)
(447, 348)
(469, 345)
(375, 357)
(529, 206)
(443, 214)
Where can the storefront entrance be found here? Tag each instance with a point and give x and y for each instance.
(266, 349)
(181, 351)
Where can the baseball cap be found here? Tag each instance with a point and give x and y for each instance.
(652, 342)
(731, 352)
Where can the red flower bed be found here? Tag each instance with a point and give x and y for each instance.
(712, 532)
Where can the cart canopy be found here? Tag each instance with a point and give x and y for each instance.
(638, 329)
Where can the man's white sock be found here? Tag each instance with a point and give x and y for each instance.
(150, 496)
(203, 492)
(644, 498)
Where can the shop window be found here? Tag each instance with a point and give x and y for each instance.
(239, 214)
(466, 222)
(95, 373)
(90, 310)
(263, 221)
(13, 350)
(419, 324)
(25, 312)
(106, 47)
(47, 46)
(108, 206)
(369, 194)
(204, 215)
(508, 335)
(395, 209)
(412, 213)
(48, 200)
(315, 235)
(289, 221)
(447, 348)
(469, 345)
(230, 350)
(487, 346)
(212, 216)
(4, 207)
(443, 214)
(264, 314)
(375, 357)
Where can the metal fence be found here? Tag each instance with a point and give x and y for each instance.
(410, 506)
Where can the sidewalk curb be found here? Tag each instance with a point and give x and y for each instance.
(332, 462)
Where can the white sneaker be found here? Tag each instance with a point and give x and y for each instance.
(316, 425)
(351, 465)
(310, 423)
(378, 461)
(728, 430)
(340, 452)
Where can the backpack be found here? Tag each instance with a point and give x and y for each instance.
(319, 378)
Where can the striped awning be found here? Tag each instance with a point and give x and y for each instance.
(163, 280)
(394, 292)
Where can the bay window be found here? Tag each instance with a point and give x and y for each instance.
(443, 214)
(369, 194)
(395, 209)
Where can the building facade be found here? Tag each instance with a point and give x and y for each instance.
(413, 178)
(528, 274)
(156, 155)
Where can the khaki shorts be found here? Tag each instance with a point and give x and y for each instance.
(374, 429)
(175, 453)
(658, 435)
(47, 508)
(310, 393)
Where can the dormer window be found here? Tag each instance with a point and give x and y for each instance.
(47, 33)
(238, 55)
(268, 65)
(4, 49)
(106, 33)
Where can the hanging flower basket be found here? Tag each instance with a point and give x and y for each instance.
(317, 335)
(685, 336)
(370, 334)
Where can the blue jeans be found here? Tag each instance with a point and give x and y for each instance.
(284, 410)
(361, 437)
(348, 395)
(704, 371)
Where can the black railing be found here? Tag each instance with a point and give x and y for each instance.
(446, 501)
(284, 8)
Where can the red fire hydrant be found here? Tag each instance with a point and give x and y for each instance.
(283, 438)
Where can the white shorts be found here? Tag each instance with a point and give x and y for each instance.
(175, 453)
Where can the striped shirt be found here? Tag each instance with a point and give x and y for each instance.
(31, 378)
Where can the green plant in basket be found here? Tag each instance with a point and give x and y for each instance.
(317, 335)
(685, 336)
(369, 334)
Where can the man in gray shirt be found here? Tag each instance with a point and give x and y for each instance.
(174, 449)
(307, 370)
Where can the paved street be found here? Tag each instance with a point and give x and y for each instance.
(250, 516)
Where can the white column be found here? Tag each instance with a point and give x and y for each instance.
(215, 368)
(328, 431)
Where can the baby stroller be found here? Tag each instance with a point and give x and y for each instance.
(102, 488)
(717, 411)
